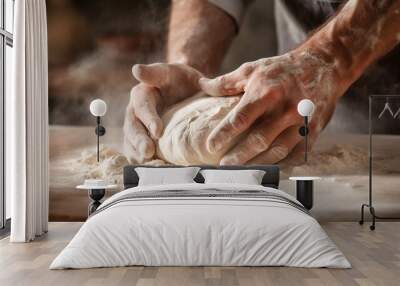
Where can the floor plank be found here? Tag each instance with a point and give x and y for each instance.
(375, 256)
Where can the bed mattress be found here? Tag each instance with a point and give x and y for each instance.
(201, 225)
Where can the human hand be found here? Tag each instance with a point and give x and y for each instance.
(267, 111)
(161, 85)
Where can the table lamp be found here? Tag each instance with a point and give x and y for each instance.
(305, 108)
(98, 108)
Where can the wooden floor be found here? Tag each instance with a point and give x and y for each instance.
(375, 257)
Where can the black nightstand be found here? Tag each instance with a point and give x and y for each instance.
(96, 194)
(305, 190)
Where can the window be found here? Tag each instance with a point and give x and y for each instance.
(6, 63)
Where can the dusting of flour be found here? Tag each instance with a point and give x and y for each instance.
(83, 165)
(340, 159)
(110, 165)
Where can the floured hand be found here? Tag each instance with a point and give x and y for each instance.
(161, 85)
(272, 88)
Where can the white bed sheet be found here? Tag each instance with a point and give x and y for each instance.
(200, 231)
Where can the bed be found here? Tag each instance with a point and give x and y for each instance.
(201, 224)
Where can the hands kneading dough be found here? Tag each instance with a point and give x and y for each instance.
(252, 117)
(181, 132)
(179, 136)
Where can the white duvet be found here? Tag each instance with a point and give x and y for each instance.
(192, 231)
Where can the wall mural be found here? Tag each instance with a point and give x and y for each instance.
(93, 46)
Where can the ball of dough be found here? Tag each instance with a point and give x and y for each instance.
(187, 126)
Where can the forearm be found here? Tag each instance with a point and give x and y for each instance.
(362, 32)
(199, 35)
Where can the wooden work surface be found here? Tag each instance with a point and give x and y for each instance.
(375, 257)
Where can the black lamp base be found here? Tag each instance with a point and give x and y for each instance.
(303, 131)
(100, 130)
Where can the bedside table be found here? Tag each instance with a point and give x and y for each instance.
(96, 193)
(305, 190)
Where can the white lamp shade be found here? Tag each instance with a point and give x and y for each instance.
(98, 107)
(305, 107)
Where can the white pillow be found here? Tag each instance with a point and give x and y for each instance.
(163, 176)
(248, 177)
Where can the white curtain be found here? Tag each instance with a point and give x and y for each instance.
(27, 124)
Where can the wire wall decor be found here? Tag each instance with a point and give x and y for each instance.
(387, 108)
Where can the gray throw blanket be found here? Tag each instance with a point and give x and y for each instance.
(206, 193)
